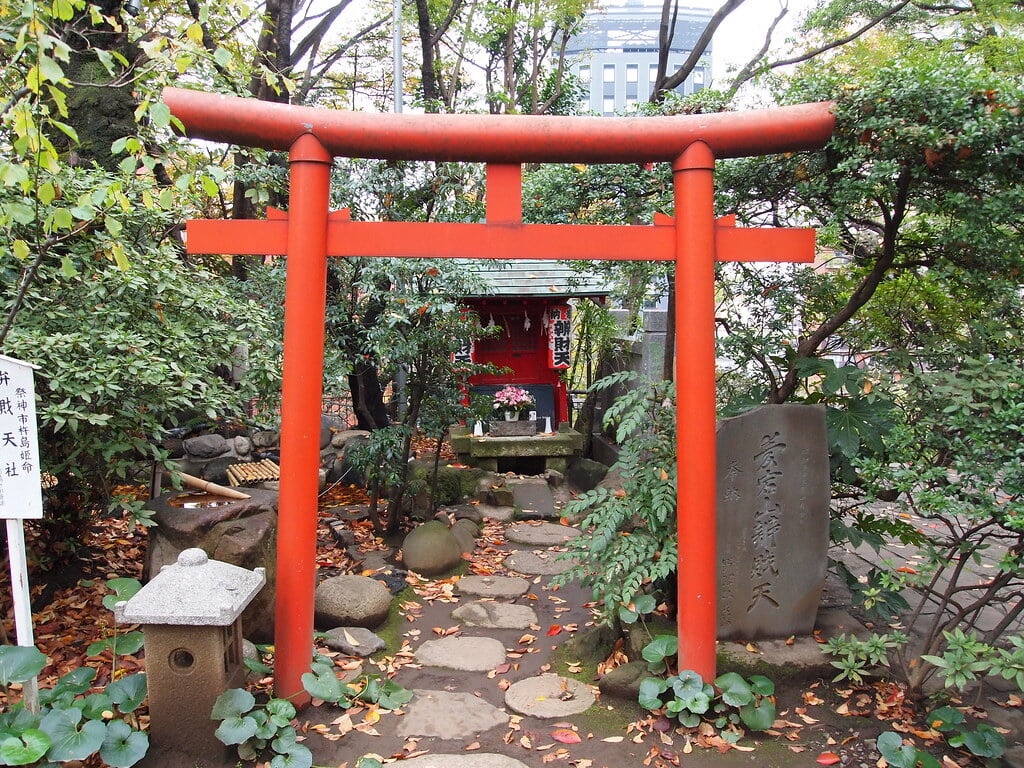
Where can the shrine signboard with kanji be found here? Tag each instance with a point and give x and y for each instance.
(559, 328)
(20, 494)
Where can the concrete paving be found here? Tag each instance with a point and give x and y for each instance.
(533, 499)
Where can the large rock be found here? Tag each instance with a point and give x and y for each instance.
(431, 549)
(623, 682)
(585, 474)
(773, 519)
(351, 601)
(465, 532)
(240, 532)
(206, 446)
(266, 438)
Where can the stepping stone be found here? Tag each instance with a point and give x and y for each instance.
(534, 498)
(476, 760)
(489, 615)
(355, 641)
(445, 715)
(500, 514)
(541, 534)
(543, 697)
(537, 563)
(466, 654)
(493, 586)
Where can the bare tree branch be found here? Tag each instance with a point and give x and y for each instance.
(808, 55)
(748, 69)
(670, 82)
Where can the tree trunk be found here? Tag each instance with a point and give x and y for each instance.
(367, 397)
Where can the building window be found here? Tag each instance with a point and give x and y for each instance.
(609, 105)
(630, 102)
(632, 73)
(585, 74)
(698, 76)
(609, 73)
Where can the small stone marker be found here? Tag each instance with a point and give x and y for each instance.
(541, 534)
(447, 715)
(537, 563)
(466, 654)
(773, 517)
(549, 696)
(489, 615)
(493, 586)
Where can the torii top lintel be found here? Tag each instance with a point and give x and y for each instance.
(500, 138)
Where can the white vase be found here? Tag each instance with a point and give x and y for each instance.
(478, 429)
(511, 415)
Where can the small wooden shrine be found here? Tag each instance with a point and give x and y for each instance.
(531, 304)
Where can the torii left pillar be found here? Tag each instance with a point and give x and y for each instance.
(309, 234)
(301, 398)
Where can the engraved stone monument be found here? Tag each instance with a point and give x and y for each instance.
(773, 503)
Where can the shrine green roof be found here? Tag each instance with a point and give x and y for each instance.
(535, 278)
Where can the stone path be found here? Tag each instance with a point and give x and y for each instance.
(549, 696)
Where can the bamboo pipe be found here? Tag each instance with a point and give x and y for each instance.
(205, 485)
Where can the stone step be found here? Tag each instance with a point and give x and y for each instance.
(549, 697)
(538, 534)
(533, 499)
(537, 562)
(464, 654)
(448, 715)
(487, 614)
(493, 586)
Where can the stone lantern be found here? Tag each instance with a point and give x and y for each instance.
(189, 614)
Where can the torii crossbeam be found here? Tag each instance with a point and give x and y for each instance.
(309, 233)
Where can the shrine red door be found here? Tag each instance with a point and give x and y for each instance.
(521, 346)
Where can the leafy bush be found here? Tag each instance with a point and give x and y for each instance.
(731, 700)
(256, 727)
(630, 533)
(130, 339)
(72, 724)
(957, 460)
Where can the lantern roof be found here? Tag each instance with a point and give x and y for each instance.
(194, 591)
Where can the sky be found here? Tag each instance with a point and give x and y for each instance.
(742, 33)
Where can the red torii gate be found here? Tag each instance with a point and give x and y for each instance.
(309, 233)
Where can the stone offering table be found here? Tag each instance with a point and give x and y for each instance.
(485, 452)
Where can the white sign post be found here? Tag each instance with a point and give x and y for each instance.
(21, 494)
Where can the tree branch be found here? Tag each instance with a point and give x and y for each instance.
(671, 82)
(827, 46)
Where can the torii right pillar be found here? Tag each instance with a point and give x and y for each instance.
(693, 186)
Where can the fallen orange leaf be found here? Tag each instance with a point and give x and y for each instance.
(828, 758)
(554, 629)
(566, 736)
